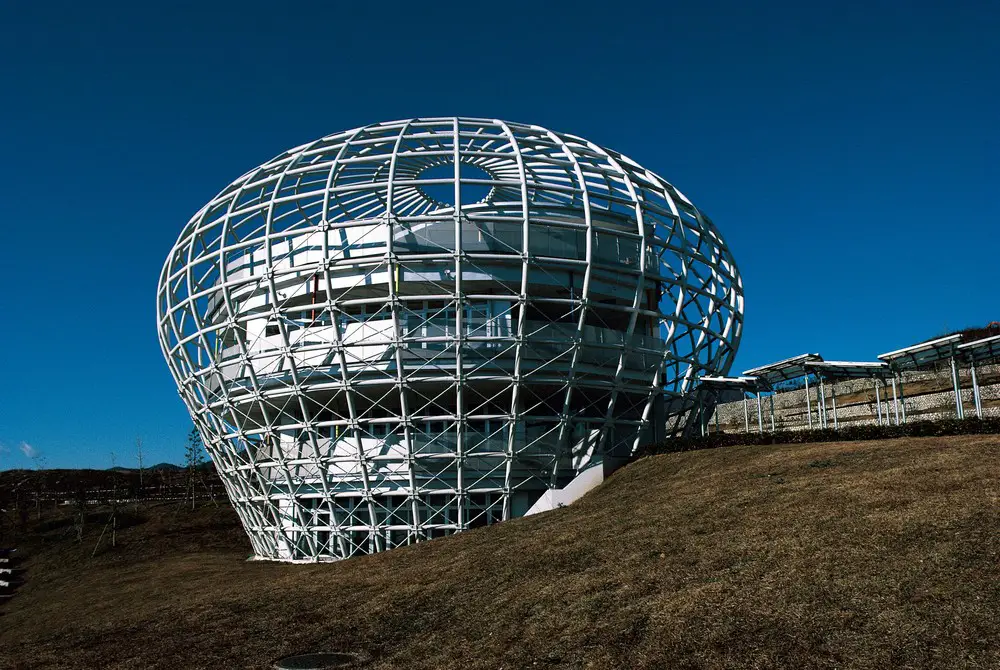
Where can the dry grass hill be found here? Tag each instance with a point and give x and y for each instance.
(836, 555)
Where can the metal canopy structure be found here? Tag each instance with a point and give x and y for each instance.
(837, 370)
(923, 356)
(743, 383)
(722, 389)
(841, 370)
(417, 327)
(789, 369)
(986, 349)
(784, 371)
(979, 351)
(782, 377)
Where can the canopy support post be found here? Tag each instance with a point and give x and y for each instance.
(760, 418)
(959, 408)
(878, 403)
(809, 409)
(976, 399)
(895, 399)
(902, 397)
(822, 403)
(833, 395)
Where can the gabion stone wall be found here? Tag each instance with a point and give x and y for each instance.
(413, 328)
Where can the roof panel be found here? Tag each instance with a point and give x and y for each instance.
(923, 354)
(729, 389)
(786, 370)
(985, 349)
(730, 382)
(848, 369)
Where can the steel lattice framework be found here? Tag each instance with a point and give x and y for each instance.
(417, 327)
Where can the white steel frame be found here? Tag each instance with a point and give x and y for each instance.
(413, 328)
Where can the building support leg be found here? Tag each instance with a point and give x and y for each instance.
(746, 413)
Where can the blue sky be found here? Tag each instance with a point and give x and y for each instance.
(849, 152)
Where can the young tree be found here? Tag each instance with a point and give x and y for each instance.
(113, 512)
(80, 504)
(114, 499)
(39, 480)
(138, 458)
(194, 458)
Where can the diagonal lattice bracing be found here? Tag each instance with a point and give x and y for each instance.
(418, 327)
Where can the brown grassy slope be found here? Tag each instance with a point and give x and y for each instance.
(860, 555)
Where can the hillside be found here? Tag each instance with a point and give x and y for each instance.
(846, 555)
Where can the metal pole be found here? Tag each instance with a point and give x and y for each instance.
(760, 418)
(959, 409)
(895, 399)
(885, 405)
(809, 409)
(833, 395)
(878, 403)
(902, 397)
(746, 412)
(976, 399)
(772, 410)
(822, 403)
(715, 411)
(701, 414)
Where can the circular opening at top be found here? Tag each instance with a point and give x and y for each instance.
(444, 193)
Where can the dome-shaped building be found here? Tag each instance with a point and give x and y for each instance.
(414, 328)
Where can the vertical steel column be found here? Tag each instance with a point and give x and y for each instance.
(809, 409)
(715, 412)
(833, 396)
(895, 399)
(976, 399)
(392, 263)
(459, 299)
(772, 410)
(822, 403)
(959, 408)
(584, 302)
(878, 403)
(902, 398)
(701, 415)
(522, 302)
(746, 412)
(760, 418)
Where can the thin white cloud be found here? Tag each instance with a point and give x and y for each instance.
(28, 450)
